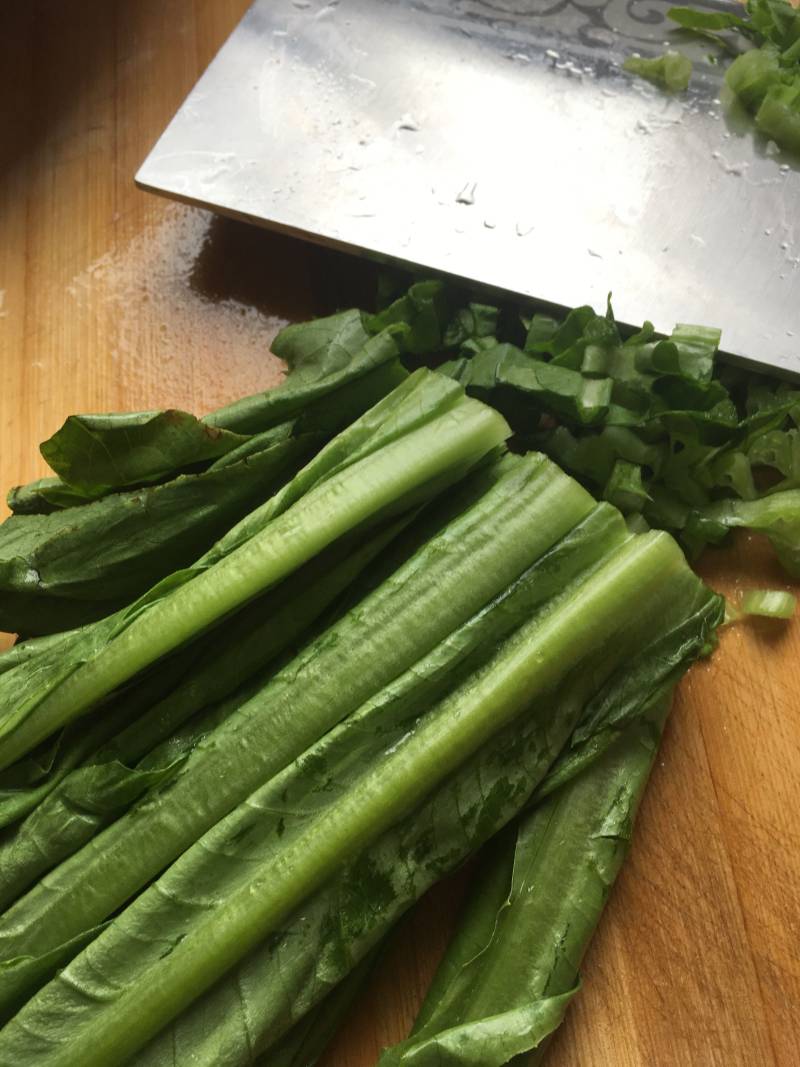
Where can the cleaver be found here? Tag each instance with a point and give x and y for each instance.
(500, 142)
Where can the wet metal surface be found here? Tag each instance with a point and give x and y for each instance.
(499, 141)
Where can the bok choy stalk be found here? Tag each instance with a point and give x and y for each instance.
(158, 488)
(79, 1017)
(528, 506)
(286, 976)
(512, 967)
(448, 434)
(77, 801)
(207, 670)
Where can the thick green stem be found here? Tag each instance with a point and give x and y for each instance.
(540, 655)
(347, 500)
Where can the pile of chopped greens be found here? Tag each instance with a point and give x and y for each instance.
(657, 426)
(294, 662)
(765, 79)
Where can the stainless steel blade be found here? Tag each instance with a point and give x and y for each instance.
(500, 141)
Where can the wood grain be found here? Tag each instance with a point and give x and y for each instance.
(113, 299)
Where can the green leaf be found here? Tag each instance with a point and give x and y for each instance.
(43, 496)
(99, 453)
(708, 24)
(474, 322)
(752, 74)
(778, 116)
(625, 488)
(777, 516)
(510, 378)
(326, 357)
(73, 566)
(512, 967)
(423, 311)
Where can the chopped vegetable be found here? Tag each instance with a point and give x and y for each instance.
(652, 424)
(672, 71)
(766, 79)
(772, 603)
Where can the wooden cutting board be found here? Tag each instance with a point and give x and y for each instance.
(111, 299)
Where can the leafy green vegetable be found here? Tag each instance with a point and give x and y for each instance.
(672, 71)
(512, 968)
(71, 566)
(406, 470)
(287, 975)
(423, 309)
(63, 565)
(778, 115)
(81, 796)
(589, 625)
(306, 1041)
(650, 423)
(709, 23)
(326, 358)
(766, 80)
(772, 603)
(42, 496)
(777, 516)
(475, 555)
(97, 453)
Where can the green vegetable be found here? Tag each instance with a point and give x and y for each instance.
(589, 625)
(81, 796)
(306, 1041)
(326, 358)
(71, 566)
(753, 74)
(778, 115)
(98, 453)
(297, 976)
(158, 488)
(772, 603)
(483, 547)
(435, 450)
(512, 968)
(777, 516)
(651, 424)
(766, 79)
(423, 309)
(672, 71)
(286, 976)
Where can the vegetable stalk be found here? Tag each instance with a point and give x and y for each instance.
(582, 624)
